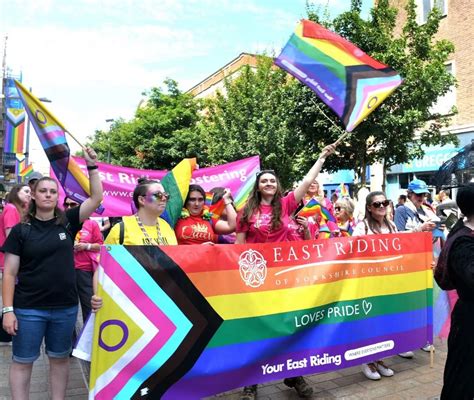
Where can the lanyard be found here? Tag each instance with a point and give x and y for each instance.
(161, 240)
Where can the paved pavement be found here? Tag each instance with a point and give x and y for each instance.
(413, 379)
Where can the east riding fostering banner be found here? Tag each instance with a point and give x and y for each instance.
(188, 324)
(118, 182)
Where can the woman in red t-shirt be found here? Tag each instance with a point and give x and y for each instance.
(18, 201)
(195, 227)
(265, 218)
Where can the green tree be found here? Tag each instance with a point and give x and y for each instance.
(159, 136)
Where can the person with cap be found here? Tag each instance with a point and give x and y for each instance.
(33, 178)
(416, 216)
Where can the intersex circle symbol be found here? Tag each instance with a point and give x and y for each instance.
(372, 102)
(120, 344)
(253, 268)
(40, 117)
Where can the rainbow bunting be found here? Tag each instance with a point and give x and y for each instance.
(14, 121)
(176, 183)
(189, 324)
(346, 79)
(52, 136)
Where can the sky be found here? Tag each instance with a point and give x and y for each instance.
(94, 58)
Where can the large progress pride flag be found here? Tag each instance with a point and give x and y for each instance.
(188, 324)
(349, 81)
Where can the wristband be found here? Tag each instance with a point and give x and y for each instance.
(89, 246)
(92, 167)
(6, 310)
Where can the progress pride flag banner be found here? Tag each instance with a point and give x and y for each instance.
(119, 182)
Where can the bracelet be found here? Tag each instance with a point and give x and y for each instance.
(6, 310)
(92, 167)
(89, 246)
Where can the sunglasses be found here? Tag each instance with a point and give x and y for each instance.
(70, 205)
(338, 209)
(160, 195)
(378, 204)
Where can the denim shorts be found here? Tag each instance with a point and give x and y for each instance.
(55, 325)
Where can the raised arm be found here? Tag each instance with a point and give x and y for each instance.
(226, 227)
(91, 204)
(302, 188)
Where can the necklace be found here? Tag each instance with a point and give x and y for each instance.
(161, 240)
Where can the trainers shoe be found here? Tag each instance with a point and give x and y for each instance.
(383, 369)
(249, 393)
(299, 384)
(407, 354)
(427, 348)
(370, 371)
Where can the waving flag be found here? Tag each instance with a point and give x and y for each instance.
(189, 324)
(52, 136)
(343, 190)
(346, 79)
(314, 207)
(176, 183)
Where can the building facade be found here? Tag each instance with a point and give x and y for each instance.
(457, 27)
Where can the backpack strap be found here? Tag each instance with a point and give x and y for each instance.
(121, 232)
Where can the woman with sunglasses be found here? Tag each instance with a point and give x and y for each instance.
(265, 218)
(145, 227)
(344, 211)
(39, 291)
(195, 225)
(374, 223)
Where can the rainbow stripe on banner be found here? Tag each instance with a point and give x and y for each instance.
(189, 324)
(52, 136)
(346, 79)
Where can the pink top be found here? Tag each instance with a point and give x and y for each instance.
(89, 233)
(8, 219)
(258, 229)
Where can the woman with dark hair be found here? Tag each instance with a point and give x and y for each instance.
(455, 270)
(195, 225)
(374, 223)
(39, 291)
(265, 218)
(145, 227)
(18, 201)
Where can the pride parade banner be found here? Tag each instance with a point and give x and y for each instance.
(189, 324)
(119, 182)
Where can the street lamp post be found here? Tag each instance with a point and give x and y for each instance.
(109, 120)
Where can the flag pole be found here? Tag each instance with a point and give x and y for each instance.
(344, 134)
(77, 141)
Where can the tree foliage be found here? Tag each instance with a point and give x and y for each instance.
(159, 136)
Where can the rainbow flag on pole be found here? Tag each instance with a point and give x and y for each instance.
(52, 136)
(346, 79)
(314, 207)
(189, 324)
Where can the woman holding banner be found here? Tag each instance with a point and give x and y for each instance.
(39, 292)
(455, 270)
(264, 219)
(375, 223)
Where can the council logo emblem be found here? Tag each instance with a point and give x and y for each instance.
(253, 268)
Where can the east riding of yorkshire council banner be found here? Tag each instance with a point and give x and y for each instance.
(188, 322)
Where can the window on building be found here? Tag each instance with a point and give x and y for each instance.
(425, 6)
(445, 103)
